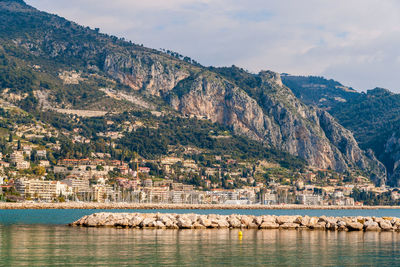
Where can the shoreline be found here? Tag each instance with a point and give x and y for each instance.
(147, 206)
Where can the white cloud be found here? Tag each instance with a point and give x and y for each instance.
(353, 41)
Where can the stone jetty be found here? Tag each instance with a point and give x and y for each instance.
(235, 221)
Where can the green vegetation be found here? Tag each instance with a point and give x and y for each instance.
(318, 91)
(373, 118)
(373, 199)
(174, 131)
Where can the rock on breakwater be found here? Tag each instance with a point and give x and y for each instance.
(215, 221)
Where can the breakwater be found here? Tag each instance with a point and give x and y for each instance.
(149, 206)
(235, 221)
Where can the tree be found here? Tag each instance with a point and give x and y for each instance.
(39, 170)
(10, 138)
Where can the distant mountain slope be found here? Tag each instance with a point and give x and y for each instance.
(373, 117)
(318, 90)
(64, 66)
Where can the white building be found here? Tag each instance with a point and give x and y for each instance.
(41, 153)
(44, 163)
(17, 156)
(62, 189)
(37, 189)
(311, 200)
(23, 165)
(78, 185)
(270, 199)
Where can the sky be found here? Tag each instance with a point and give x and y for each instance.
(356, 42)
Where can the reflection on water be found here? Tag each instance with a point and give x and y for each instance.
(40, 245)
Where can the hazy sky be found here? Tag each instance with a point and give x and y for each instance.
(356, 42)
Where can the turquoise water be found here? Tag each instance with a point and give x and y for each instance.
(62, 216)
(54, 245)
(41, 238)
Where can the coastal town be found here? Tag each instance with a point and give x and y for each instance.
(29, 173)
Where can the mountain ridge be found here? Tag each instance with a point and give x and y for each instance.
(266, 111)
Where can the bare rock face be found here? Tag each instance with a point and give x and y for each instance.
(144, 71)
(276, 118)
(392, 151)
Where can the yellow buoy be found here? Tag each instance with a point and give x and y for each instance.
(240, 234)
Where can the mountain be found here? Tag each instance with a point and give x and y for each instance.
(49, 64)
(373, 117)
(313, 90)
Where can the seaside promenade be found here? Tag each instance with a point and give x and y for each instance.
(123, 205)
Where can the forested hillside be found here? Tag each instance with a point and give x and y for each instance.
(50, 67)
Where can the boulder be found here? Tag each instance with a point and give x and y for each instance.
(246, 220)
(159, 225)
(192, 217)
(386, 225)
(148, 222)
(341, 226)
(304, 221)
(395, 222)
(184, 222)
(331, 226)
(205, 222)
(313, 221)
(91, 221)
(258, 220)
(361, 220)
(120, 222)
(285, 219)
(234, 222)
(136, 221)
(81, 221)
(268, 218)
(222, 223)
(355, 226)
(371, 226)
(323, 218)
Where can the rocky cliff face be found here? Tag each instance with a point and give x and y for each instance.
(278, 119)
(144, 71)
(392, 156)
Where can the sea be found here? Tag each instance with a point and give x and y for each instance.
(43, 238)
